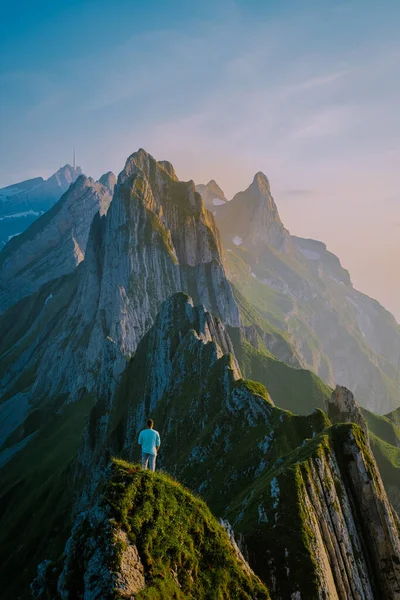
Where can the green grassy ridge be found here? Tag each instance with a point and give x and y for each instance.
(251, 317)
(394, 416)
(387, 457)
(175, 531)
(297, 390)
(384, 433)
(382, 427)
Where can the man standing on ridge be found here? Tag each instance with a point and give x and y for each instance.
(149, 439)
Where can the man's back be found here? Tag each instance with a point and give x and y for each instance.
(149, 440)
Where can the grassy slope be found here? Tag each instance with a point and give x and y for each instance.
(35, 498)
(274, 306)
(298, 390)
(175, 531)
(394, 416)
(385, 444)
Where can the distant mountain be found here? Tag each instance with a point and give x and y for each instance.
(212, 195)
(21, 203)
(254, 218)
(55, 243)
(299, 288)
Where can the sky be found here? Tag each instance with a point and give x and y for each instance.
(306, 91)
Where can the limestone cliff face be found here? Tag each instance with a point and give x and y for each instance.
(182, 335)
(301, 288)
(304, 498)
(156, 239)
(55, 243)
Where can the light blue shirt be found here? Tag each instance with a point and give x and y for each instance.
(149, 439)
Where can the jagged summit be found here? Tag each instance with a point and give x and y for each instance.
(251, 218)
(109, 181)
(213, 186)
(54, 244)
(342, 408)
(66, 175)
(212, 194)
(261, 181)
(169, 168)
(22, 203)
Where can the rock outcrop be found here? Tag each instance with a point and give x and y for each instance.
(342, 408)
(55, 243)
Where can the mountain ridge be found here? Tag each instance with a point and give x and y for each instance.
(21, 203)
(301, 289)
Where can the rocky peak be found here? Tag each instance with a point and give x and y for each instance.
(169, 168)
(65, 176)
(212, 194)
(342, 408)
(183, 336)
(54, 244)
(213, 186)
(251, 218)
(261, 184)
(109, 181)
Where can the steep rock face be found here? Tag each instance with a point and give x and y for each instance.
(147, 533)
(56, 243)
(181, 334)
(304, 498)
(299, 287)
(156, 239)
(251, 217)
(109, 181)
(22, 203)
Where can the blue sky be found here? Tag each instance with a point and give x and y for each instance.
(308, 92)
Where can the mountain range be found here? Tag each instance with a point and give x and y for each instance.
(129, 298)
(22, 203)
(300, 289)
